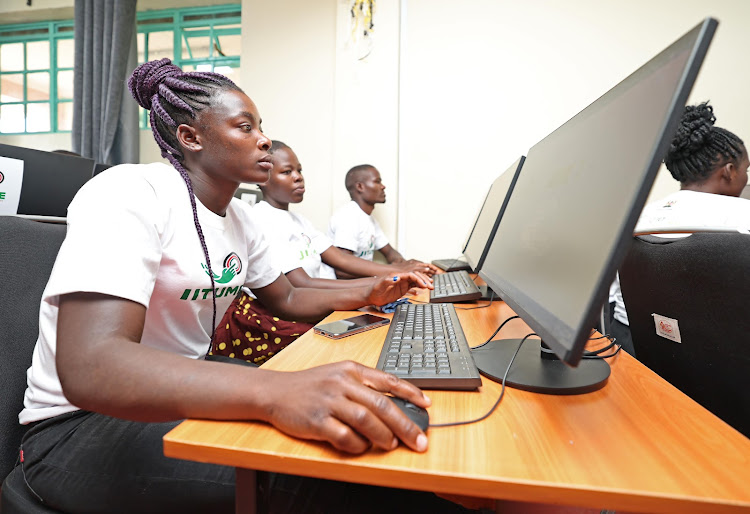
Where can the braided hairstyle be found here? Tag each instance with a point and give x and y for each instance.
(175, 97)
(698, 147)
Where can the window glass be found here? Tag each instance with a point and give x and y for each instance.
(37, 59)
(65, 116)
(230, 44)
(160, 45)
(65, 85)
(37, 55)
(196, 46)
(38, 117)
(11, 87)
(11, 57)
(11, 118)
(65, 53)
(37, 86)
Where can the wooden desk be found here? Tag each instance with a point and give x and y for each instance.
(637, 445)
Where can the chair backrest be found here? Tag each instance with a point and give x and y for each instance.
(27, 252)
(703, 282)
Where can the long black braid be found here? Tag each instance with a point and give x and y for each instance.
(174, 97)
(698, 147)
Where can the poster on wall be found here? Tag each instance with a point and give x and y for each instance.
(11, 178)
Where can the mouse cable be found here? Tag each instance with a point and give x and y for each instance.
(499, 399)
(496, 331)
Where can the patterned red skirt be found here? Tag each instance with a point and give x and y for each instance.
(250, 332)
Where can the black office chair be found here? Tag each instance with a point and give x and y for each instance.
(27, 253)
(703, 282)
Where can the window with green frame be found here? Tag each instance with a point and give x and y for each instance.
(36, 60)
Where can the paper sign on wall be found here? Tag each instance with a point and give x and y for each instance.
(11, 178)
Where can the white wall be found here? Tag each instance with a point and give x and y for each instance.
(453, 92)
(488, 79)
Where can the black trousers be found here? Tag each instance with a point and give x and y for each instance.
(82, 462)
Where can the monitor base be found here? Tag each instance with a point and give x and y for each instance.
(531, 372)
(488, 294)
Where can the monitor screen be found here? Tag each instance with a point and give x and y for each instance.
(489, 216)
(50, 180)
(570, 219)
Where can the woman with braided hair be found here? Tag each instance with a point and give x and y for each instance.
(711, 165)
(150, 256)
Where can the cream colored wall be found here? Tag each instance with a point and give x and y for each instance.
(485, 80)
(288, 69)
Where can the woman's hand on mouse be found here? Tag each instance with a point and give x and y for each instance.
(342, 403)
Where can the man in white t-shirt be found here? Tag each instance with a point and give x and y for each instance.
(353, 228)
(711, 164)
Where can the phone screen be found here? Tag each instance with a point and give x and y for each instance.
(348, 326)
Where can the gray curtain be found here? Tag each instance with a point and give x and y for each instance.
(105, 117)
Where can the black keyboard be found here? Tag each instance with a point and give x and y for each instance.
(426, 346)
(454, 286)
(451, 265)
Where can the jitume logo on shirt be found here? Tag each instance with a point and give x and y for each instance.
(232, 267)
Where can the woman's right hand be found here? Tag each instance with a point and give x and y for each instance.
(414, 265)
(343, 403)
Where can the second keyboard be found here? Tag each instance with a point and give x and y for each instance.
(454, 286)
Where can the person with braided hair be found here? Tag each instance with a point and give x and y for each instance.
(152, 253)
(711, 165)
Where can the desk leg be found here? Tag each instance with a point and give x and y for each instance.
(245, 491)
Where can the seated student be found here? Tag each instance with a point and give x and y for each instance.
(119, 359)
(711, 165)
(353, 228)
(249, 331)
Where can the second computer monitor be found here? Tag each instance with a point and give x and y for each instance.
(571, 216)
(477, 245)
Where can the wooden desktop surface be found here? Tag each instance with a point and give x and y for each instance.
(637, 445)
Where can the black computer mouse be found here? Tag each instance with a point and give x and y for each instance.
(417, 414)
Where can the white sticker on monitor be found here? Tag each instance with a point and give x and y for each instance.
(11, 178)
(667, 328)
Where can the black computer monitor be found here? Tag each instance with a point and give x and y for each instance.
(570, 219)
(485, 226)
(50, 180)
(478, 243)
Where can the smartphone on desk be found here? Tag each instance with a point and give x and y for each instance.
(348, 326)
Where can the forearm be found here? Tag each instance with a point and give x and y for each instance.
(299, 278)
(132, 381)
(313, 304)
(391, 254)
(354, 266)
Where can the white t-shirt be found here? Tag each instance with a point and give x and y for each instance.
(295, 240)
(131, 235)
(687, 210)
(353, 229)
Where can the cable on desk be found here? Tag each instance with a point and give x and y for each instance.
(499, 399)
(496, 331)
(413, 300)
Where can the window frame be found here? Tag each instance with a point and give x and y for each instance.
(184, 23)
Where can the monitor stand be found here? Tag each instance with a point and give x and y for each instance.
(488, 294)
(537, 369)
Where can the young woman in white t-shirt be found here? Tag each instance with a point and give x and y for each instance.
(151, 253)
(251, 331)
